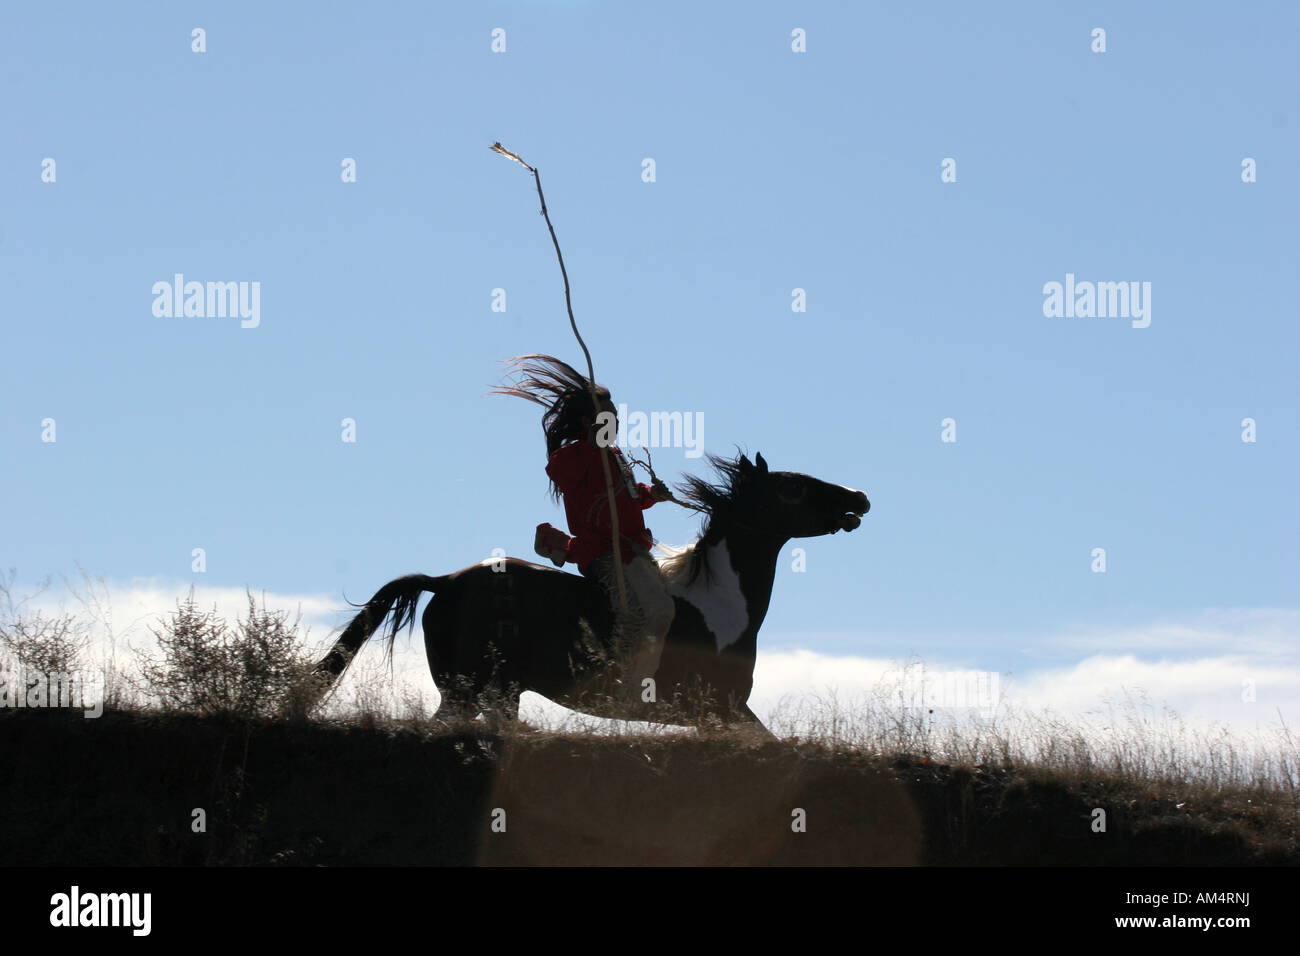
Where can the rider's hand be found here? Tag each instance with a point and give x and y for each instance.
(660, 491)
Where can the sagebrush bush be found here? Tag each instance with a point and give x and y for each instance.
(45, 645)
(258, 668)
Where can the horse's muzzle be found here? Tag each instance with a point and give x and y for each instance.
(850, 520)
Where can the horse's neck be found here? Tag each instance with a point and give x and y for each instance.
(754, 559)
(734, 596)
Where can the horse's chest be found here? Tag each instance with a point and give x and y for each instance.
(719, 599)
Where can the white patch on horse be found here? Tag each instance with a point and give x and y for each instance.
(719, 599)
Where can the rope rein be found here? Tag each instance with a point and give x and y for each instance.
(648, 465)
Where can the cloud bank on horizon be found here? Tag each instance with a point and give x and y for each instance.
(1180, 666)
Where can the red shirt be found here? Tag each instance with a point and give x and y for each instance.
(576, 470)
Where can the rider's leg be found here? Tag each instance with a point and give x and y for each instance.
(602, 570)
(639, 631)
(656, 610)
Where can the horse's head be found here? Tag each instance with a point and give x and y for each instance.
(783, 504)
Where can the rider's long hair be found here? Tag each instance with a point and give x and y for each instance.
(559, 388)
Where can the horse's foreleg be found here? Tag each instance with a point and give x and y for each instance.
(501, 707)
(751, 722)
(454, 708)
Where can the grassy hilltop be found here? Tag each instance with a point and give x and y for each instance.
(122, 789)
(193, 735)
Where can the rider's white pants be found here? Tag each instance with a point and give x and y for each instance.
(639, 634)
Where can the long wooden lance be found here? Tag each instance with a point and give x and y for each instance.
(591, 376)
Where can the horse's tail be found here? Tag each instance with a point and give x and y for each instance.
(399, 598)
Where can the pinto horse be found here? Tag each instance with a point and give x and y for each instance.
(498, 628)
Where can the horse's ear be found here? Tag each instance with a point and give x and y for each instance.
(745, 465)
(762, 465)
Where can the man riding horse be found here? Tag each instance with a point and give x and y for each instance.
(579, 430)
(498, 628)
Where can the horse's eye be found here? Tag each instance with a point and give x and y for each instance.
(791, 492)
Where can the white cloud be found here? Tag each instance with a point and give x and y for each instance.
(1200, 690)
(127, 611)
(1243, 691)
(1204, 667)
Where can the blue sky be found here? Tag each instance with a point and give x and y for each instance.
(775, 170)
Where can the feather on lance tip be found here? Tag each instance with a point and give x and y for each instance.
(502, 151)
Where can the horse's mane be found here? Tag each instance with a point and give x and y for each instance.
(675, 563)
(681, 566)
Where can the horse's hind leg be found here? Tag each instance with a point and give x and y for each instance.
(467, 680)
(458, 693)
